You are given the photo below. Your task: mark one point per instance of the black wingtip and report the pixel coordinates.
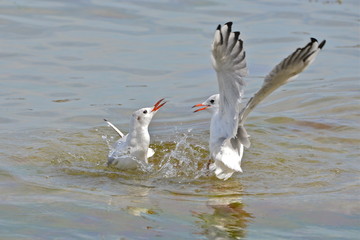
(105, 120)
(313, 40)
(237, 34)
(218, 27)
(221, 36)
(322, 44)
(241, 43)
(229, 24)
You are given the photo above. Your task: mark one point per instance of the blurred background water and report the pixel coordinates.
(66, 65)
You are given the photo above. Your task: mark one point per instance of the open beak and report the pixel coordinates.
(158, 105)
(200, 105)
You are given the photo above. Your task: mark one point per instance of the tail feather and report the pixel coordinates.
(228, 159)
(222, 171)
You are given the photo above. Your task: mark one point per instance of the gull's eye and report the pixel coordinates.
(212, 101)
(145, 111)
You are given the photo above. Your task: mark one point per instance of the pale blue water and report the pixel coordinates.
(66, 65)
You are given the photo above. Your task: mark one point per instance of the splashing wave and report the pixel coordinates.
(179, 157)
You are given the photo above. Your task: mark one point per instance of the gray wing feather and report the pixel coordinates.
(242, 136)
(285, 71)
(228, 57)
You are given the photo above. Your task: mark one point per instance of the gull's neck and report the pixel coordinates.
(139, 136)
(138, 130)
(214, 111)
(216, 126)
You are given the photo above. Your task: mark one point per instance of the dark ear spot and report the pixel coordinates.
(138, 118)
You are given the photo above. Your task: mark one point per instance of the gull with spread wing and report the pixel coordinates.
(227, 133)
(133, 148)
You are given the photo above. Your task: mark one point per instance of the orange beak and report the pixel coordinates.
(158, 105)
(200, 105)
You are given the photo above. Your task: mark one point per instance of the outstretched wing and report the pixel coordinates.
(287, 70)
(228, 58)
(115, 128)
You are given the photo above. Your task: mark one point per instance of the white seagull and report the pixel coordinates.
(227, 133)
(133, 148)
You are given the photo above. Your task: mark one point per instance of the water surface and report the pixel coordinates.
(66, 65)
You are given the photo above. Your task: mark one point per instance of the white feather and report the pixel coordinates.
(227, 133)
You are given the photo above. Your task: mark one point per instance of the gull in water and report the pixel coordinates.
(133, 148)
(227, 133)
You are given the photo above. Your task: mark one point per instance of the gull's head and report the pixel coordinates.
(143, 116)
(211, 104)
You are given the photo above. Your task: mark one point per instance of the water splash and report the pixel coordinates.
(185, 159)
(181, 157)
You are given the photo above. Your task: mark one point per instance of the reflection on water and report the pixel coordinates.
(67, 65)
(225, 216)
(228, 220)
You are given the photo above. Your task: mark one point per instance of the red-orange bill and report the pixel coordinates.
(158, 105)
(200, 105)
